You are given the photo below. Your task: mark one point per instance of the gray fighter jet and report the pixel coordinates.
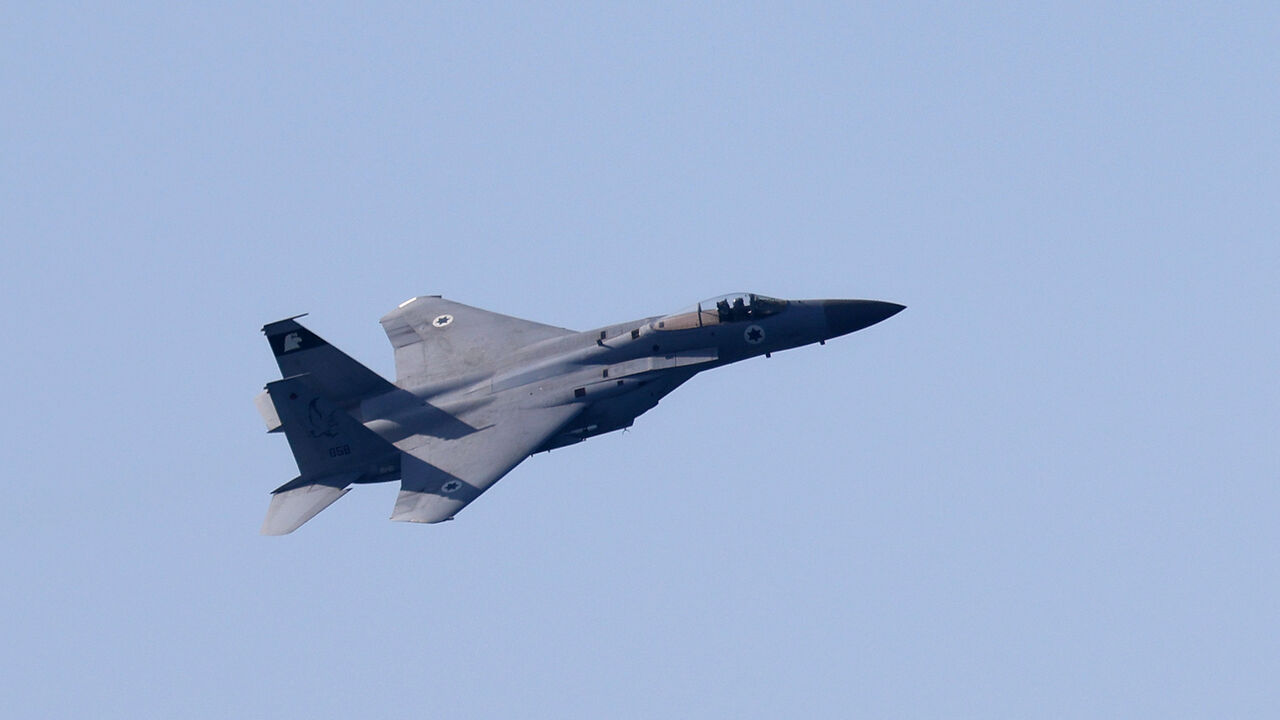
(477, 392)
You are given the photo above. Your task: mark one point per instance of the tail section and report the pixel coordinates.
(331, 447)
(289, 509)
(299, 351)
(326, 440)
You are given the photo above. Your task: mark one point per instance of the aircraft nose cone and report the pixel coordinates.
(846, 316)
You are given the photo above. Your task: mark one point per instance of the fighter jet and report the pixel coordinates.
(477, 392)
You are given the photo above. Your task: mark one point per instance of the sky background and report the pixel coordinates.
(1049, 488)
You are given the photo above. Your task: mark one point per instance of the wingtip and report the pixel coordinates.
(267, 329)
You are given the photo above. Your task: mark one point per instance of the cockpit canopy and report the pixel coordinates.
(735, 307)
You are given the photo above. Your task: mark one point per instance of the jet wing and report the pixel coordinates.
(439, 477)
(436, 340)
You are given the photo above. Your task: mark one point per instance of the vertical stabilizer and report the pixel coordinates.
(335, 374)
(325, 439)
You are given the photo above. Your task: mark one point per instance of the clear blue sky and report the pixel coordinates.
(1047, 489)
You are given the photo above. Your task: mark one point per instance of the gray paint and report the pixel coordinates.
(477, 392)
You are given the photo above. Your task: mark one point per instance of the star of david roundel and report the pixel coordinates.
(754, 334)
(442, 320)
(451, 486)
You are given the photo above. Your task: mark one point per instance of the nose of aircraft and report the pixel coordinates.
(846, 316)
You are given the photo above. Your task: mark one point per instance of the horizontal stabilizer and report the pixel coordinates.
(291, 508)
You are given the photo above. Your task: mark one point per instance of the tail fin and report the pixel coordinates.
(332, 448)
(299, 351)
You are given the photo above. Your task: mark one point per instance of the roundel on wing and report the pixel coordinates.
(754, 334)
(451, 486)
(442, 320)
